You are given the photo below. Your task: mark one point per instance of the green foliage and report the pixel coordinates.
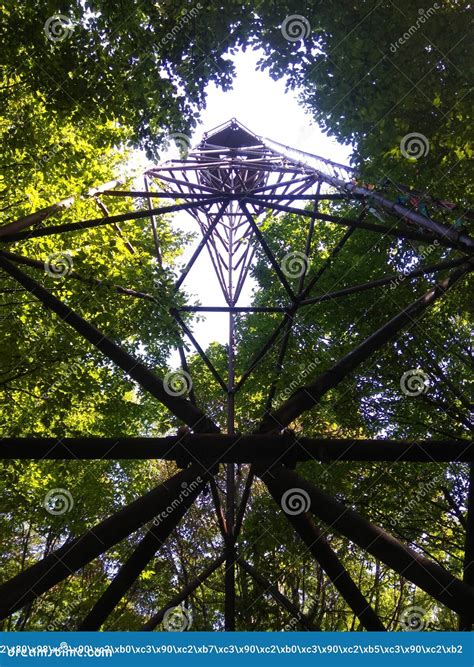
(368, 84)
(142, 65)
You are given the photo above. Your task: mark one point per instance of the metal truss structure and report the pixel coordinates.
(227, 184)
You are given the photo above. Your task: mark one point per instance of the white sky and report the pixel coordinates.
(263, 106)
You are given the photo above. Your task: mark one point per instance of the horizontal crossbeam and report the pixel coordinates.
(233, 309)
(237, 448)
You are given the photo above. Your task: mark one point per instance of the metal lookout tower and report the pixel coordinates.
(228, 183)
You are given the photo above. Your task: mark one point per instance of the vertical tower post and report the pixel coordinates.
(230, 467)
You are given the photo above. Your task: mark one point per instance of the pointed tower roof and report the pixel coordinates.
(231, 134)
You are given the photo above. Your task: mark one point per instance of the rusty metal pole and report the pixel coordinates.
(156, 239)
(229, 607)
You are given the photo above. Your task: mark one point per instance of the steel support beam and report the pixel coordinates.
(356, 224)
(265, 347)
(427, 575)
(335, 251)
(35, 218)
(231, 309)
(221, 448)
(380, 282)
(243, 502)
(220, 516)
(158, 533)
(229, 589)
(113, 219)
(198, 348)
(335, 570)
(39, 578)
(308, 396)
(36, 264)
(229, 581)
(206, 236)
(268, 252)
(179, 406)
(156, 239)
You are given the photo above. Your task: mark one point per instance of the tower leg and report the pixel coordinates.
(229, 607)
